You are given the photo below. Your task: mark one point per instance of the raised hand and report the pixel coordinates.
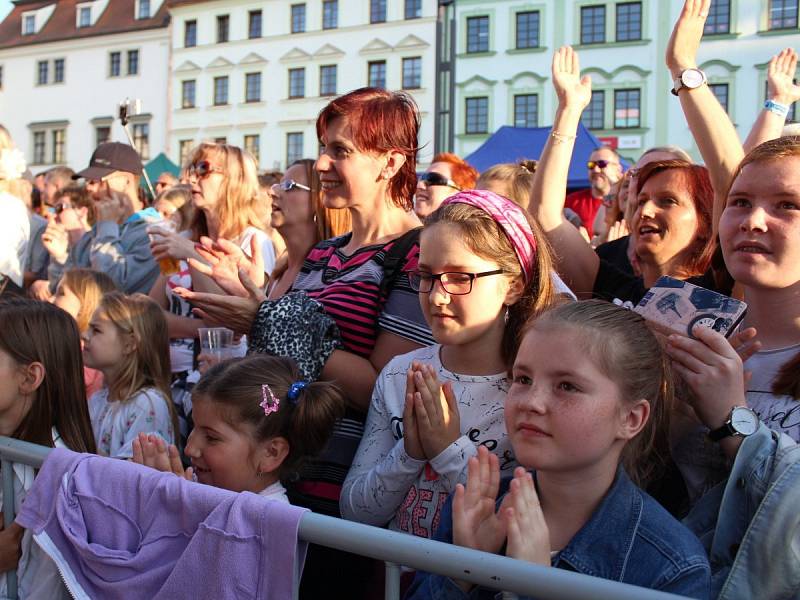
(435, 411)
(411, 439)
(780, 77)
(686, 35)
(475, 523)
(224, 259)
(56, 240)
(151, 451)
(528, 535)
(573, 91)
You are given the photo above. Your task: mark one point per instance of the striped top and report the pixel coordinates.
(349, 289)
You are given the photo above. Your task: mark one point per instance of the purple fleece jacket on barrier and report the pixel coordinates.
(119, 530)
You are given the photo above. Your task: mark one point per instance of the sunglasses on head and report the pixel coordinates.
(202, 168)
(602, 164)
(289, 184)
(433, 178)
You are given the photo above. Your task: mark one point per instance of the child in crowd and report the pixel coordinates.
(483, 272)
(79, 293)
(592, 390)
(42, 401)
(254, 423)
(127, 341)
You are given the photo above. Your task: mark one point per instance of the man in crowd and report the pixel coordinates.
(605, 170)
(55, 180)
(164, 181)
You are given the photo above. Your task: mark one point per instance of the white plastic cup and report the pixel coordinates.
(217, 341)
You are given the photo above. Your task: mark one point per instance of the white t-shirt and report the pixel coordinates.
(385, 485)
(275, 491)
(117, 424)
(778, 412)
(15, 228)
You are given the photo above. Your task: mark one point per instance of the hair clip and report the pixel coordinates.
(269, 402)
(294, 390)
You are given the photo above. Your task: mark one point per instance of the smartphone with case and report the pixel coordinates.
(676, 306)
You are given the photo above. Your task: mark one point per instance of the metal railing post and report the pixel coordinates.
(9, 501)
(392, 586)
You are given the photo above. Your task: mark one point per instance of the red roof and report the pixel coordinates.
(118, 17)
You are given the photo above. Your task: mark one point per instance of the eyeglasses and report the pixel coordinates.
(602, 164)
(454, 283)
(289, 185)
(433, 178)
(201, 169)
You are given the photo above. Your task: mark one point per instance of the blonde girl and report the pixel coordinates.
(15, 225)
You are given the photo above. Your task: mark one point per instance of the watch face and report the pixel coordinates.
(744, 421)
(692, 78)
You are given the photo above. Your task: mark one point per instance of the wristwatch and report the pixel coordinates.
(690, 79)
(742, 422)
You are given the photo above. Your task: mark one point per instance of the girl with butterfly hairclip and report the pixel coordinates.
(255, 421)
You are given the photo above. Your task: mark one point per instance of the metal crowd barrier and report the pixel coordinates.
(395, 549)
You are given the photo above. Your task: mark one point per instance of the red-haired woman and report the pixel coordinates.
(447, 175)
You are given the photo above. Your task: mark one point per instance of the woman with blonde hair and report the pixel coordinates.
(511, 180)
(15, 225)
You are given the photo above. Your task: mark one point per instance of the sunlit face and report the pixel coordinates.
(602, 178)
(104, 345)
(66, 300)
(207, 190)
(665, 221)
(460, 319)
(293, 207)
(562, 412)
(163, 182)
(13, 405)
(222, 455)
(759, 230)
(51, 191)
(429, 197)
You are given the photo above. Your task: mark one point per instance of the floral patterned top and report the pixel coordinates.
(117, 424)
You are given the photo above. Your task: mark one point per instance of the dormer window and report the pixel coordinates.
(143, 11)
(29, 24)
(84, 16)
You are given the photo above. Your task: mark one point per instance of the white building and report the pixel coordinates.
(504, 50)
(257, 73)
(66, 64)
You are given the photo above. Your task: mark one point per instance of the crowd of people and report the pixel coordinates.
(448, 354)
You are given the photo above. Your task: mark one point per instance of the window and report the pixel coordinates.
(594, 116)
(59, 137)
(42, 69)
(58, 70)
(133, 62)
(85, 16)
(220, 90)
(377, 11)
(141, 139)
(29, 24)
(190, 34)
(144, 9)
(252, 143)
(626, 108)
(221, 140)
(223, 26)
(327, 80)
(629, 21)
(294, 147)
(184, 148)
(330, 14)
(252, 87)
(720, 90)
(297, 83)
(413, 9)
(38, 147)
(477, 115)
(298, 18)
(102, 134)
(593, 24)
(412, 73)
(528, 29)
(477, 34)
(188, 93)
(254, 28)
(719, 17)
(376, 73)
(526, 110)
(782, 14)
(114, 64)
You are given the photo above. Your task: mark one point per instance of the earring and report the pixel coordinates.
(505, 314)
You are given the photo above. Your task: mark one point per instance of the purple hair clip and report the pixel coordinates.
(269, 402)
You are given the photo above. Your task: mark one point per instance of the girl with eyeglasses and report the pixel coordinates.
(484, 270)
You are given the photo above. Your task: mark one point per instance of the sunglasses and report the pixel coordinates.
(433, 178)
(289, 185)
(602, 164)
(201, 169)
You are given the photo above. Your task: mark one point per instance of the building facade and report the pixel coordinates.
(256, 74)
(64, 67)
(504, 50)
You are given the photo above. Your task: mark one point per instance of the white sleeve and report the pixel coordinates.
(147, 412)
(451, 463)
(382, 472)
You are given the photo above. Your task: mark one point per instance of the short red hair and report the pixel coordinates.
(464, 174)
(381, 121)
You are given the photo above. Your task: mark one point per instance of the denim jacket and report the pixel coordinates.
(750, 524)
(630, 538)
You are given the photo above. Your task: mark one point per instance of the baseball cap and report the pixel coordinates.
(109, 157)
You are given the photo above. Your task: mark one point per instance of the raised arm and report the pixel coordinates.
(575, 260)
(782, 93)
(712, 129)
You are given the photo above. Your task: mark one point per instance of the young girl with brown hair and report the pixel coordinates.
(127, 341)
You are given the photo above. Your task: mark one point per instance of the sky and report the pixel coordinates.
(5, 8)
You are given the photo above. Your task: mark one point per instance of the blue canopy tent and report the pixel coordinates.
(509, 144)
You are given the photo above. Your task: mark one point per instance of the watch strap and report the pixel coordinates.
(720, 433)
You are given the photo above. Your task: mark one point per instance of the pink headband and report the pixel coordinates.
(510, 218)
